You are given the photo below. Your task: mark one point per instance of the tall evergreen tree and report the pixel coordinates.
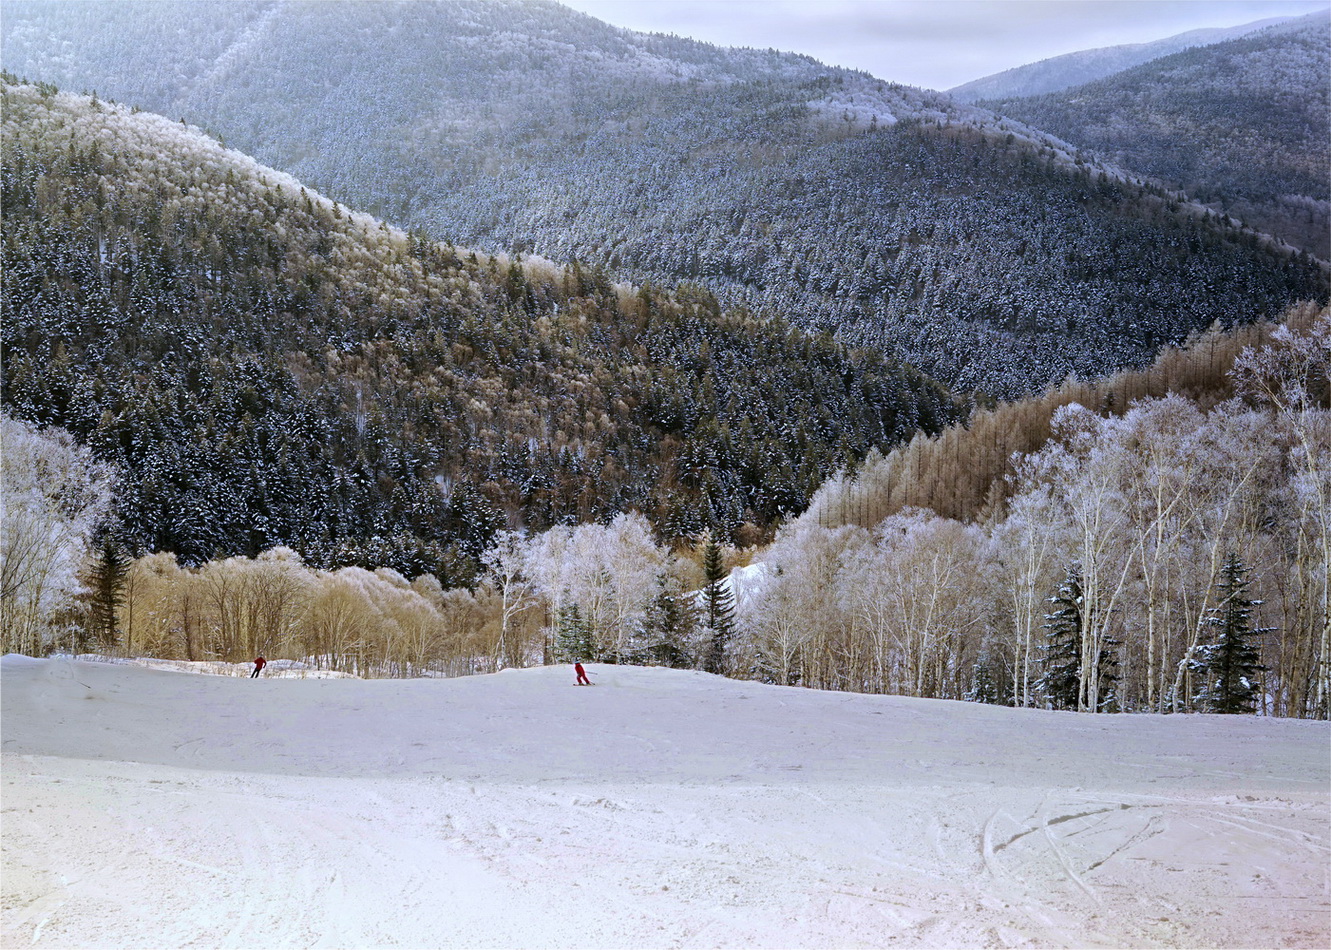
(573, 635)
(718, 606)
(984, 688)
(666, 626)
(1108, 670)
(106, 583)
(1061, 660)
(1228, 667)
(1066, 625)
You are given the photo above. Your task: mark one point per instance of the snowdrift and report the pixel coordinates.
(658, 808)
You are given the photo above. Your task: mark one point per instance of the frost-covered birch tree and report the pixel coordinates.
(505, 563)
(934, 567)
(53, 495)
(1235, 460)
(611, 572)
(1023, 550)
(1159, 489)
(1292, 377)
(798, 624)
(1086, 477)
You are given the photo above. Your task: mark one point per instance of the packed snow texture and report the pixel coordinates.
(658, 808)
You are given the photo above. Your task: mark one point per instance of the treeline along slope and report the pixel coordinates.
(1075, 69)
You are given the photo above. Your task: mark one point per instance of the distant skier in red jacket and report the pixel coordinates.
(259, 663)
(582, 675)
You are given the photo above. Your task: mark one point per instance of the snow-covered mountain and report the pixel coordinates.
(237, 344)
(1075, 69)
(1243, 125)
(657, 808)
(991, 256)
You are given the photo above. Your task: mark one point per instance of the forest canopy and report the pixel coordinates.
(264, 367)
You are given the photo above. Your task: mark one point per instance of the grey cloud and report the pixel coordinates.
(935, 43)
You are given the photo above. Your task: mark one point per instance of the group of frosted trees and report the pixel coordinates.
(369, 623)
(1113, 579)
(594, 592)
(52, 497)
(612, 593)
(604, 592)
(1174, 557)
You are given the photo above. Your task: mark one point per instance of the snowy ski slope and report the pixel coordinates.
(660, 808)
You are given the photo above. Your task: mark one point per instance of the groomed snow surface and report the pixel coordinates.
(657, 808)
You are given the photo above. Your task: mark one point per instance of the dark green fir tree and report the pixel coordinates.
(106, 591)
(1064, 626)
(666, 627)
(1108, 672)
(1227, 670)
(718, 608)
(573, 635)
(984, 685)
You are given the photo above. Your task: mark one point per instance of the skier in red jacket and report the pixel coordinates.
(259, 663)
(582, 675)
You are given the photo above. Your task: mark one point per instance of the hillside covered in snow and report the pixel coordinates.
(991, 256)
(658, 808)
(1242, 125)
(1074, 69)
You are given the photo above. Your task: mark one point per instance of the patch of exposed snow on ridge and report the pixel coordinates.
(244, 41)
(858, 115)
(745, 584)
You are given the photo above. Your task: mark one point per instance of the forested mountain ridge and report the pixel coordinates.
(991, 256)
(1241, 125)
(968, 471)
(1075, 69)
(266, 367)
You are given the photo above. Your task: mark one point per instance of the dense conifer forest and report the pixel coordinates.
(1242, 125)
(266, 367)
(991, 256)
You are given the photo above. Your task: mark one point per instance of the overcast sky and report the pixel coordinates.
(937, 44)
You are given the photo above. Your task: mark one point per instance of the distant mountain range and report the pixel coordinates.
(992, 256)
(1243, 125)
(1075, 69)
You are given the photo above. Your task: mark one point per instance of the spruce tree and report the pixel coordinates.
(666, 626)
(718, 606)
(1108, 670)
(106, 582)
(1228, 667)
(984, 688)
(1061, 661)
(1066, 625)
(573, 635)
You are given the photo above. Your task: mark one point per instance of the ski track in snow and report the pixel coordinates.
(151, 809)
